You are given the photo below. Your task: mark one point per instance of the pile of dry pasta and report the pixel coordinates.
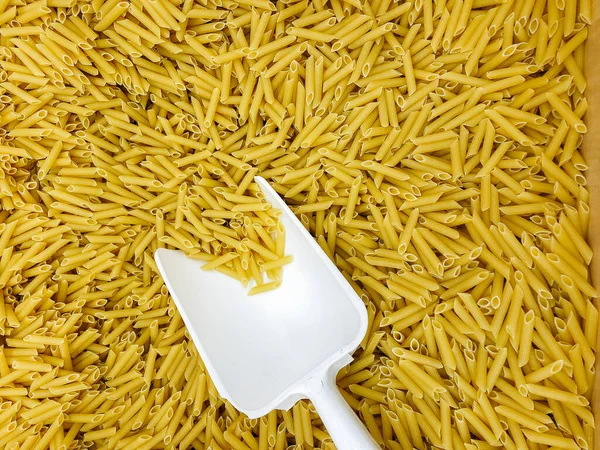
(431, 147)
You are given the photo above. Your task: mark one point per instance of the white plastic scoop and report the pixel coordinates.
(267, 351)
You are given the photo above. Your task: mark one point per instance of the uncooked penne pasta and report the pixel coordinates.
(432, 148)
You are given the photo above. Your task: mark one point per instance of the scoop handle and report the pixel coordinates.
(343, 425)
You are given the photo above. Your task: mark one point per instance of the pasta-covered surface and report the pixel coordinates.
(432, 147)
